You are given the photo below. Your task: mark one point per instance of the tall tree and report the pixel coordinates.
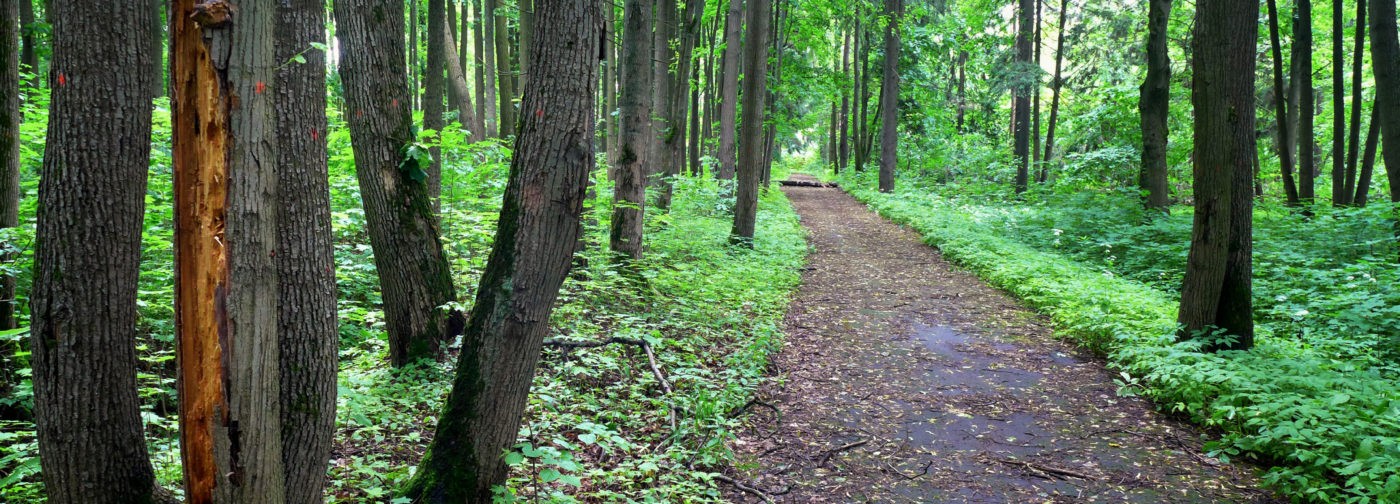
(28, 57)
(156, 9)
(484, 51)
(629, 207)
(458, 91)
(1216, 292)
(1153, 107)
(729, 91)
(226, 282)
(751, 155)
(1339, 107)
(608, 118)
(663, 59)
(1368, 160)
(1282, 115)
(1354, 132)
(1307, 105)
(413, 272)
(83, 303)
(9, 160)
(844, 154)
(1385, 59)
(433, 92)
(534, 245)
(1021, 109)
(889, 99)
(677, 108)
(1056, 85)
(505, 74)
(307, 328)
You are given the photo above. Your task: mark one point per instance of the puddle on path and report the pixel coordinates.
(962, 369)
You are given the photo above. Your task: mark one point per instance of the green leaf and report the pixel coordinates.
(549, 475)
(514, 459)
(1339, 399)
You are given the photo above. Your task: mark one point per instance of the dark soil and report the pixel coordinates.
(904, 379)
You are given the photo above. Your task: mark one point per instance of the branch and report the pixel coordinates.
(745, 488)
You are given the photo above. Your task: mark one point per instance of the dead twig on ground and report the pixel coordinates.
(1045, 471)
(826, 455)
(907, 477)
(746, 488)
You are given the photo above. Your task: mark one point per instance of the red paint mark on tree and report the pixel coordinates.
(62, 79)
(395, 104)
(315, 134)
(259, 87)
(539, 112)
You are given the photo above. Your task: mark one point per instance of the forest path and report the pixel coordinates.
(904, 379)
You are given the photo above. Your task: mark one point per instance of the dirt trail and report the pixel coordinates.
(906, 380)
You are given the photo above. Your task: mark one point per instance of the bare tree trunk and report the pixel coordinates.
(433, 92)
(83, 304)
(155, 10)
(28, 57)
(751, 150)
(413, 272)
(661, 126)
(307, 327)
(711, 93)
(1281, 112)
(1035, 97)
(1154, 107)
(504, 72)
(10, 119)
(1368, 162)
(889, 98)
(1055, 88)
(460, 94)
(1021, 109)
(844, 156)
(527, 35)
(1385, 60)
(694, 147)
(629, 208)
(484, 40)
(609, 121)
(1339, 107)
(679, 98)
(1216, 292)
(729, 101)
(413, 21)
(1354, 133)
(1307, 107)
(535, 239)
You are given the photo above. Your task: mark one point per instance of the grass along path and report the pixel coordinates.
(906, 380)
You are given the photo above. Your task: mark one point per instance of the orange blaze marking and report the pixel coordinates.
(62, 79)
(260, 87)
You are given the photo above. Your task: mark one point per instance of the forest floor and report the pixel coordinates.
(904, 379)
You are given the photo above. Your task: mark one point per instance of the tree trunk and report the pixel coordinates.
(630, 193)
(679, 98)
(1021, 110)
(694, 146)
(1385, 60)
(609, 121)
(843, 157)
(155, 10)
(1035, 97)
(1357, 99)
(711, 95)
(226, 234)
(83, 304)
(526, 35)
(10, 119)
(770, 136)
(28, 57)
(309, 337)
(413, 272)
(432, 94)
(413, 21)
(1307, 106)
(535, 239)
(889, 99)
(1154, 107)
(504, 72)
(750, 166)
(662, 59)
(1216, 292)
(1055, 88)
(1339, 107)
(1281, 113)
(729, 101)
(1368, 162)
(484, 40)
(962, 92)
(460, 94)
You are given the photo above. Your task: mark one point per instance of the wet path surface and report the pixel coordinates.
(906, 380)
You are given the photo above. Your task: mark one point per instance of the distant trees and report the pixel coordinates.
(535, 239)
(1021, 107)
(889, 99)
(1153, 107)
(1385, 57)
(83, 303)
(751, 155)
(635, 147)
(729, 92)
(1217, 290)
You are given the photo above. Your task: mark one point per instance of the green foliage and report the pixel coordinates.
(1317, 399)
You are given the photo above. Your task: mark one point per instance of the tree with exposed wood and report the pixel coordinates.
(1385, 60)
(83, 303)
(751, 153)
(889, 100)
(223, 69)
(1153, 107)
(1216, 293)
(534, 246)
(403, 230)
(729, 92)
(635, 147)
(1021, 110)
(307, 325)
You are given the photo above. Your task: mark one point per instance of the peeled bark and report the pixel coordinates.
(1153, 108)
(308, 331)
(535, 239)
(889, 102)
(1216, 292)
(403, 231)
(1281, 113)
(83, 304)
(729, 91)
(226, 281)
(629, 207)
(1385, 59)
(751, 156)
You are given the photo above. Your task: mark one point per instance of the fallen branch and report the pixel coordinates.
(905, 476)
(745, 488)
(1044, 470)
(777, 424)
(804, 183)
(646, 347)
(826, 455)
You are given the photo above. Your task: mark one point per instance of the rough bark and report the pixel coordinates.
(609, 118)
(1216, 292)
(459, 92)
(414, 19)
(1281, 113)
(1307, 105)
(28, 57)
(679, 99)
(1153, 107)
(1339, 107)
(1357, 99)
(1035, 97)
(629, 207)
(505, 91)
(10, 118)
(526, 35)
(156, 10)
(751, 156)
(843, 155)
(535, 239)
(433, 92)
(889, 101)
(1021, 109)
(83, 304)
(1055, 87)
(729, 91)
(1385, 60)
(1368, 161)
(308, 334)
(484, 40)
(403, 231)
(663, 57)
(226, 281)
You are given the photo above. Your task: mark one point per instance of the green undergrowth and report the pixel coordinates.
(1317, 401)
